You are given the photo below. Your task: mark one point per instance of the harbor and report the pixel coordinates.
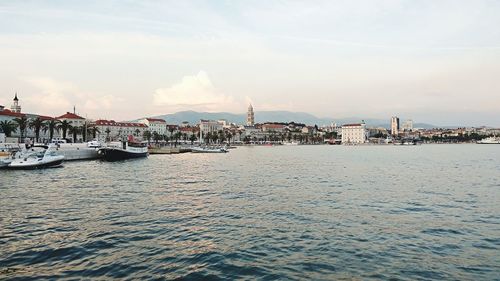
(250, 140)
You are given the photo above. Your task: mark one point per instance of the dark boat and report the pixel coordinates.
(128, 150)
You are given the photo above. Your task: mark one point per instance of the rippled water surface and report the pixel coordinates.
(316, 212)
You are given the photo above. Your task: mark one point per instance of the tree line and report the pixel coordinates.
(52, 126)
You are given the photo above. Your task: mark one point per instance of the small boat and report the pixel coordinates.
(5, 161)
(93, 144)
(7, 154)
(490, 140)
(209, 150)
(127, 150)
(33, 159)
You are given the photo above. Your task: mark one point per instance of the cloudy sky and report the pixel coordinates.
(432, 61)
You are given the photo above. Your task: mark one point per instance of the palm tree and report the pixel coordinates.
(64, 126)
(51, 125)
(107, 133)
(208, 137)
(22, 124)
(85, 129)
(222, 136)
(8, 127)
(147, 135)
(192, 138)
(177, 136)
(75, 130)
(36, 124)
(215, 136)
(171, 129)
(193, 132)
(156, 137)
(93, 130)
(229, 136)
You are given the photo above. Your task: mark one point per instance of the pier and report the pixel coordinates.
(74, 152)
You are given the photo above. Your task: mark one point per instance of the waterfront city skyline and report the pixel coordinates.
(432, 62)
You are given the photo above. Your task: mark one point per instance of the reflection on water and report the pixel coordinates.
(317, 212)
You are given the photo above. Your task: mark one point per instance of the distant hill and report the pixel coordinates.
(193, 117)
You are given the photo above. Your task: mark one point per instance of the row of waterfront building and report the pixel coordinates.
(16, 125)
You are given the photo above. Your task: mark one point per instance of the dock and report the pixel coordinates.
(168, 150)
(74, 152)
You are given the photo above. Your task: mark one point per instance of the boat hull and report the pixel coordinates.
(111, 154)
(204, 150)
(29, 166)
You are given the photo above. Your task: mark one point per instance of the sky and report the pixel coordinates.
(431, 61)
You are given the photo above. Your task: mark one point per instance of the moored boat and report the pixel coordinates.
(127, 150)
(35, 159)
(209, 150)
(8, 153)
(490, 140)
(94, 144)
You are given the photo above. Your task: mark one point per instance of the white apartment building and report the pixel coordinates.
(110, 130)
(407, 126)
(394, 126)
(354, 133)
(155, 125)
(209, 126)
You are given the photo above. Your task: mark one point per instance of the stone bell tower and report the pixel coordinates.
(15, 106)
(250, 116)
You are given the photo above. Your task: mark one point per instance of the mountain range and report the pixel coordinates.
(193, 117)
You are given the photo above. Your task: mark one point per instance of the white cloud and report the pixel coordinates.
(194, 92)
(105, 102)
(50, 96)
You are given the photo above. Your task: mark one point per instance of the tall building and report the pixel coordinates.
(250, 116)
(16, 108)
(354, 133)
(394, 126)
(407, 125)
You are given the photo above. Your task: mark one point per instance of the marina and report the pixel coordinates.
(250, 140)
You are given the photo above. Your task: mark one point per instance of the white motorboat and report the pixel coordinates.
(209, 150)
(37, 159)
(490, 140)
(5, 161)
(93, 144)
(8, 153)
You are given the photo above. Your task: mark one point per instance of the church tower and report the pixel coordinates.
(15, 106)
(250, 116)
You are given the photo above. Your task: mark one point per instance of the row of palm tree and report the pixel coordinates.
(174, 137)
(43, 125)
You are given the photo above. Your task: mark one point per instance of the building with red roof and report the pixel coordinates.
(69, 115)
(8, 114)
(268, 127)
(155, 125)
(110, 130)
